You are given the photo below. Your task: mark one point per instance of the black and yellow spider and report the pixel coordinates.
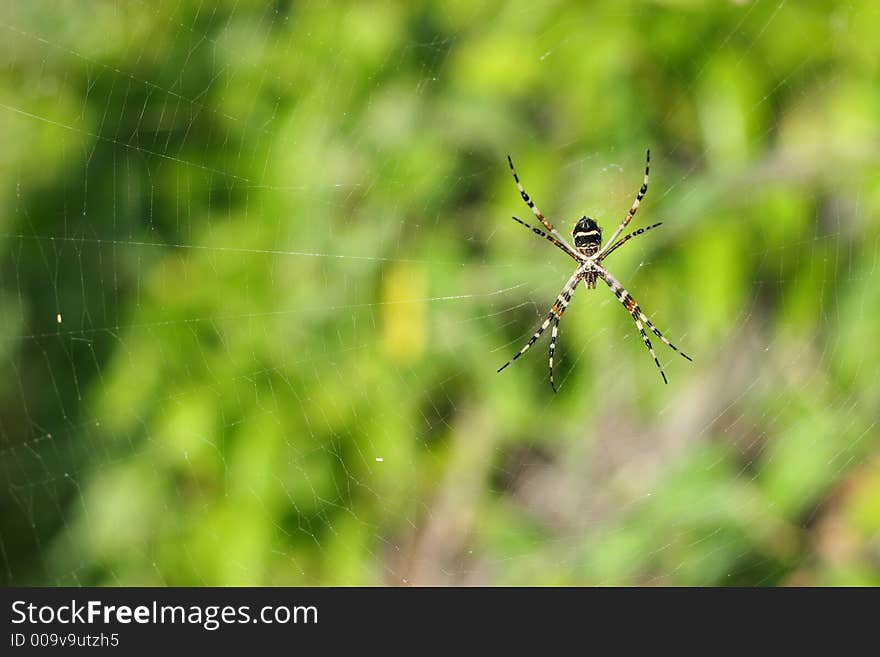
(589, 253)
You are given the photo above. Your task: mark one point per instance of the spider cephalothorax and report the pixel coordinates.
(589, 253)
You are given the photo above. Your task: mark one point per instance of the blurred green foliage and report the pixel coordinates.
(279, 244)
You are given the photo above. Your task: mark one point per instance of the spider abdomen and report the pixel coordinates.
(587, 237)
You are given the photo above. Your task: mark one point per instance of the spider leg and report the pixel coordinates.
(554, 334)
(539, 215)
(662, 337)
(632, 211)
(628, 237)
(538, 231)
(638, 316)
(556, 311)
(650, 347)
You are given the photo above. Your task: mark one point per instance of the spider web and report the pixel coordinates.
(258, 273)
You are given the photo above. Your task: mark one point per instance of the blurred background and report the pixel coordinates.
(258, 270)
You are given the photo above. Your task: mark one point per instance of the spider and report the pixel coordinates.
(588, 252)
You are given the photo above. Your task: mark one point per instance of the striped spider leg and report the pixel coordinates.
(632, 211)
(555, 333)
(589, 253)
(556, 312)
(639, 317)
(562, 245)
(628, 237)
(560, 241)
